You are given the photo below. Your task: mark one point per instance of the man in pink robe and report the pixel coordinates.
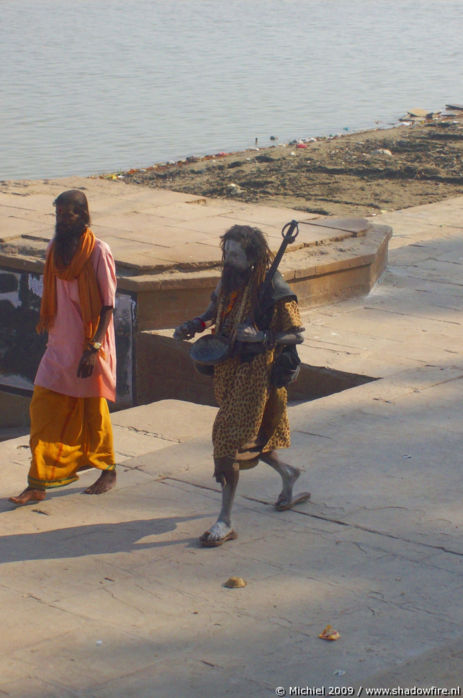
(70, 424)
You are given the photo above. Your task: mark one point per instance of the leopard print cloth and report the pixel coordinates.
(252, 414)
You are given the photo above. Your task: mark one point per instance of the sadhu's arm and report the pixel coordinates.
(188, 329)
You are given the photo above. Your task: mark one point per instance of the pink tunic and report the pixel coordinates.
(58, 367)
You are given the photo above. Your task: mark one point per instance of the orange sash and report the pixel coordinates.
(229, 308)
(81, 269)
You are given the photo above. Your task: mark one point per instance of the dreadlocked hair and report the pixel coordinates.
(257, 251)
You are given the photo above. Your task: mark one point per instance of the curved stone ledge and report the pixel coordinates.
(168, 259)
(318, 274)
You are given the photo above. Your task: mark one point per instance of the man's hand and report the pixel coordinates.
(86, 364)
(188, 329)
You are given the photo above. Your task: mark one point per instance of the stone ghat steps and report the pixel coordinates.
(137, 431)
(376, 552)
(166, 441)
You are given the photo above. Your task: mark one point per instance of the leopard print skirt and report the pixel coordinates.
(252, 414)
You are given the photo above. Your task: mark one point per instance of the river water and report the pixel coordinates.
(93, 86)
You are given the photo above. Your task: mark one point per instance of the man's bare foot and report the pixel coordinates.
(105, 482)
(28, 495)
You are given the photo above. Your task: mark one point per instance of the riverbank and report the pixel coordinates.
(365, 173)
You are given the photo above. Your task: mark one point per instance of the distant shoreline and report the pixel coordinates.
(412, 118)
(189, 159)
(361, 173)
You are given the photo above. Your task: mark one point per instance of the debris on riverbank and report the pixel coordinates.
(362, 173)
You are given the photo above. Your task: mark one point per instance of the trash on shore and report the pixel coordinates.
(414, 115)
(382, 151)
(421, 113)
(234, 188)
(329, 633)
(362, 172)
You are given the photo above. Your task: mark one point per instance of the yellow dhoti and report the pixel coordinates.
(68, 434)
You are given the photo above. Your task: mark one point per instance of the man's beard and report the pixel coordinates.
(66, 241)
(233, 279)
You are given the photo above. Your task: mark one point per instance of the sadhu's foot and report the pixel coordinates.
(218, 534)
(284, 503)
(105, 482)
(289, 475)
(28, 495)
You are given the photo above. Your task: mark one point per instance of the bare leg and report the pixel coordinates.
(105, 482)
(227, 473)
(289, 474)
(30, 494)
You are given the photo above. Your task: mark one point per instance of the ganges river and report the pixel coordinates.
(92, 86)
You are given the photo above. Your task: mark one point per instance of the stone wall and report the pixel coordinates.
(165, 371)
(21, 347)
(151, 366)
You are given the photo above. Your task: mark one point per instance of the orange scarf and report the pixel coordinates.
(81, 269)
(229, 308)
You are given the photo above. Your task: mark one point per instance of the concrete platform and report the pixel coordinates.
(166, 247)
(111, 596)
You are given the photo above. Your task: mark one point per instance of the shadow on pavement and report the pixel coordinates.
(93, 539)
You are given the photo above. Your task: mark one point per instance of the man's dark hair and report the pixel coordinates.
(67, 235)
(257, 250)
(77, 199)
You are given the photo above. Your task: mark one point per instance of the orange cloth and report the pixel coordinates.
(229, 308)
(68, 434)
(81, 269)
